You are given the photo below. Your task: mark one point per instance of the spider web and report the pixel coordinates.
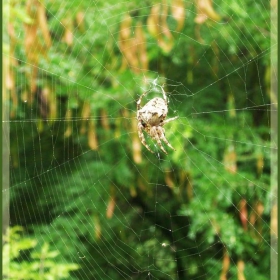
(79, 178)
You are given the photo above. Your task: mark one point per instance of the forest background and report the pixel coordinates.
(86, 199)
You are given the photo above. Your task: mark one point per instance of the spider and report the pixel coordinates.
(151, 118)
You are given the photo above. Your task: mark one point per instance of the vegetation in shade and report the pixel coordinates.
(80, 178)
(22, 259)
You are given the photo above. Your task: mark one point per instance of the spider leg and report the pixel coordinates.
(156, 136)
(162, 137)
(169, 120)
(164, 95)
(142, 137)
(140, 99)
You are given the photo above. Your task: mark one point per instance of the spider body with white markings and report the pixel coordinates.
(151, 118)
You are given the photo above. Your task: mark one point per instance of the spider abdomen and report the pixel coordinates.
(154, 112)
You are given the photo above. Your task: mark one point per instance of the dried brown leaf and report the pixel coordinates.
(216, 61)
(163, 21)
(12, 37)
(68, 37)
(136, 148)
(189, 190)
(10, 81)
(243, 213)
(92, 136)
(80, 19)
(111, 206)
(68, 33)
(52, 104)
(178, 12)
(104, 119)
(33, 83)
(141, 47)
(205, 10)
(259, 208)
(42, 19)
(197, 34)
(216, 226)
(43, 102)
(153, 23)
(260, 164)
(32, 44)
(132, 191)
(128, 45)
(97, 227)
(133, 48)
(33, 47)
(125, 28)
(141, 185)
(225, 265)
(253, 218)
(118, 124)
(240, 270)
(85, 116)
(40, 126)
(166, 42)
(231, 106)
(136, 144)
(169, 180)
(230, 160)
(68, 117)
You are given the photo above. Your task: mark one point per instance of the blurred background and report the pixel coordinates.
(83, 198)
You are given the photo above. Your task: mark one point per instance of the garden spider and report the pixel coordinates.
(151, 118)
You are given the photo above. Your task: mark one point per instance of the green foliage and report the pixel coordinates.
(22, 259)
(173, 215)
